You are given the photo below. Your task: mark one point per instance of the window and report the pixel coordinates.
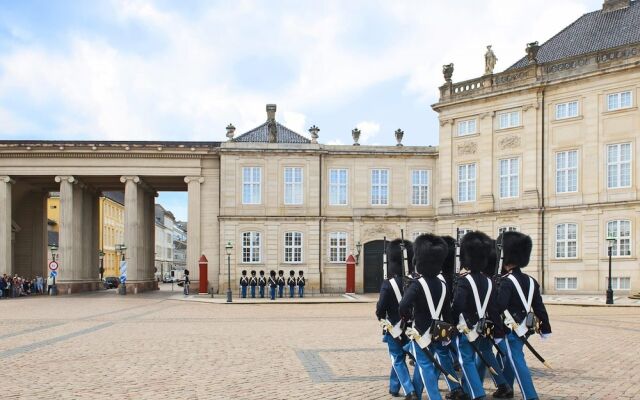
(169, 238)
(509, 178)
(621, 231)
(293, 185)
(619, 283)
(617, 101)
(338, 183)
(251, 181)
(566, 283)
(507, 229)
(337, 247)
(379, 187)
(251, 247)
(461, 232)
(293, 247)
(416, 234)
(420, 187)
(567, 110)
(169, 255)
(467, 127)
(566, 241)
(619, 165)
(567, 171)
(466, 182)
(509, 119)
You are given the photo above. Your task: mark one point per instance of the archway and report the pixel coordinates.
(373, 266)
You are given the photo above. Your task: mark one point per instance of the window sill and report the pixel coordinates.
(567, 260)
(509, 129)
(620, 110)
(568, 119)
(469, 135)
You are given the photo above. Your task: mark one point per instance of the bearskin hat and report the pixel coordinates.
(253, 272)
(280, 272)
(516, 249)
(244, 272)
(449, 265)
(292, 272)
(261, 272)
(394, 257)
(429, 252)
(474, 251)
(272, 273)
(301, 272)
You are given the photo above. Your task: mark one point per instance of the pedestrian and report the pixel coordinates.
(187, 281)
(301, 282)
(520, 301)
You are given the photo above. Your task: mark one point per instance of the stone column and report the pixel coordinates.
(5, 225)
(70, 239)
(194, 226)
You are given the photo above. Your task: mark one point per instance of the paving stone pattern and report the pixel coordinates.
(104, 346)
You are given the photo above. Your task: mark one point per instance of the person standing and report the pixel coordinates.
(244, 282)
(253, 282)
(281, 282)
(187, 281)
(391, 292)
(520, 301)
(301, 282)
(291, 282)
(273, 284)
(262, 282)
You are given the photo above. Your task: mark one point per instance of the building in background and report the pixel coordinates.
(180, 245)
(111, 216)
(165, 225)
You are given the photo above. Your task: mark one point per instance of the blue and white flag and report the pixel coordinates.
(123, 271)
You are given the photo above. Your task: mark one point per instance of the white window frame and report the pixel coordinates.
(466, 182)
(293, 247)
(512, 180)
(251, 252)
(293, 178)
(619, 166)
(619, 100)
(509, 119)
(461, 232)
(467, 127)
(567, 173)
(566, 236)
(420, 191)
(615, 282)
(613, 229)
(379, 190)
(338, 191)
(566, 283)
(338, 251)
(249, 186)
(507, 228)
(416, 234)
(570, 109)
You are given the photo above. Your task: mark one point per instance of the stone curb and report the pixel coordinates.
(320, 300)
(566, 303)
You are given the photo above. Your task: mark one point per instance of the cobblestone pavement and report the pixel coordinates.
(104, 346)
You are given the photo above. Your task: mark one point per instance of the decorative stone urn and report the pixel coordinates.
(399, 136)
(355, 134)
(314, 133)
(230, 131)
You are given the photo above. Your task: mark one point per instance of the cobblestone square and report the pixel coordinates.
(104, 346)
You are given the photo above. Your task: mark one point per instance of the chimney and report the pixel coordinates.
(613, 5)
(271, 112)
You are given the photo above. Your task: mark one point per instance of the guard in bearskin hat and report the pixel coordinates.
(262, 282)
(428, 299)
(291, 282)
(520, 301)
(273, 284)
(387, 312)
(253, 282)
(244, 282)
(301, 281)
(473, 305)
(281, 282)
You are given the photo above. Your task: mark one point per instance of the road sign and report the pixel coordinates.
(53, 265)
(53, 273)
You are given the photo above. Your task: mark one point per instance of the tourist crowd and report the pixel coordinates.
(17, 286)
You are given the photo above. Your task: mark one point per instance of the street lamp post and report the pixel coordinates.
(54, 289)
(228, 248)
(611, 241)
(121, 248)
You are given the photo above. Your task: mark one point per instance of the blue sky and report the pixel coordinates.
(183, 70)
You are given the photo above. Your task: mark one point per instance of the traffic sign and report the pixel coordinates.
(53, 265)
(53, 273)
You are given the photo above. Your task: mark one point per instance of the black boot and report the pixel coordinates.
(457, 394)
(396, 394)
(411, 396)
(503, 392)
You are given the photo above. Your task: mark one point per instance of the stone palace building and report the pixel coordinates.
(547, 147)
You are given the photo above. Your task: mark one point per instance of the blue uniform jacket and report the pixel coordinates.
(508, 299)
(387, 306)
(464, 303)
(414, 303)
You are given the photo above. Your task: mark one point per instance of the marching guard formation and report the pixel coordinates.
(460, 309)
(275, 283)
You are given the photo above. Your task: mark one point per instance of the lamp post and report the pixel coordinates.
(54, 289)
(121, 248)
(358, 248)
(228, 248)
(612, 242)
(101, 269)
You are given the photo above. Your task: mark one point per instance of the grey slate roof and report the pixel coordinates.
(592, 32)
(261, 135)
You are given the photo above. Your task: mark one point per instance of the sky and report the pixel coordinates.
(183, 70)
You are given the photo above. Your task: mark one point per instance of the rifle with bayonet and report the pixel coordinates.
(423, 342)
(384, 259)
(519, 332)
(405, 257)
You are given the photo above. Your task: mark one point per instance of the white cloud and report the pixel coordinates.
(368, 129)
(295, 121)
(335, 142)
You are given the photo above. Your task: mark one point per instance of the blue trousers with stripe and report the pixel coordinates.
(244, 291)
(512, 347)
(485, 346)
(292, 290)
(467, 359)
(399, 377)
(300, 291)
(443, 355)
(272, 292)
(253, 292)
(425, 375)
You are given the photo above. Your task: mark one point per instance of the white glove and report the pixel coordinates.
(545, 336)
(498, 340)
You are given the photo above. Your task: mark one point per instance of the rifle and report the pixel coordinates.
(456, 272)
(405, 257)
(384, 259)
(498, 256)
(416, 337)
